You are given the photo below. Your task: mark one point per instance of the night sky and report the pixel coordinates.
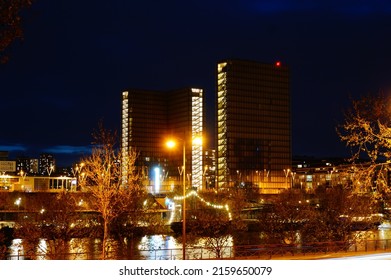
(78, 56)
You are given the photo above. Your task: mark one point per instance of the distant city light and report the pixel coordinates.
(157, 179)
(278, 63)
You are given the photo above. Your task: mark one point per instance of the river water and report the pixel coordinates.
(153, 247)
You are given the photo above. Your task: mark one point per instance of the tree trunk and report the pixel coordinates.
(105, 238)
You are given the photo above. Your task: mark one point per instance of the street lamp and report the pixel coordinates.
(50, 169)
(17, 202)
(293, 174)
(287, 172)
(171, 144)
(23, 175)
(76, 173)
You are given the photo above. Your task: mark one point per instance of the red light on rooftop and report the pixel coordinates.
(278, 63)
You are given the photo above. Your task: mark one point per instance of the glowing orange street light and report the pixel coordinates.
(171, 144)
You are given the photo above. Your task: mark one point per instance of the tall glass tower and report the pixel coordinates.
(253, 125)
(150, 117)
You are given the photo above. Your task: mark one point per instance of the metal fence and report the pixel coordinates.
(267, 251)
(232, 252)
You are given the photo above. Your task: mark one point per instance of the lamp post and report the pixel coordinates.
(50, 169)
(77, 173)
(286, 172)
(171, 144)
(23, 176)
(293, 174)
(184, 204)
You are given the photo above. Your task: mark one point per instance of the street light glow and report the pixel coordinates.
(170, 144)
(197, 141)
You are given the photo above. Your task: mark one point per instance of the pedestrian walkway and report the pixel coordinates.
(326, 255)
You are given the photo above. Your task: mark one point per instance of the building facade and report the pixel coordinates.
(149, 119)
(253, 128)
(47, 164)
(209, 168)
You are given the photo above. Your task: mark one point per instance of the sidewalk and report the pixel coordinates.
(326, 255)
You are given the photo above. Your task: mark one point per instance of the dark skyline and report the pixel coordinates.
(77, 58)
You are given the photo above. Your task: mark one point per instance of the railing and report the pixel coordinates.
(233, 252)
(268, 251)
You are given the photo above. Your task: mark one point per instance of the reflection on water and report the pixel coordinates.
(164, 247)
(154, 242)
(373, 240)
(161, 247)
(379, 234)
(75, 249)
(16, 249)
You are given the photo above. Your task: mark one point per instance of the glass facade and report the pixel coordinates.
(253, 124)
(149, 118)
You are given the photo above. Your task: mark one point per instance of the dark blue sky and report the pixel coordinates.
(78, 56)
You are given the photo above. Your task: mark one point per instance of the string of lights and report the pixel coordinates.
(216, 206)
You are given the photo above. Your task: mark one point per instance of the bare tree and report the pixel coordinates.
(367, 131)
(51, 226)
(328, 215)
(216, 220)
(10, 23)
(281, 223)
(112, 182)
(212, 226)
(340, 213)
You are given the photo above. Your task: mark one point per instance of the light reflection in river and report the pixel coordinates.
(168, 247)
(385, 231)
(16, 250)
(165, 247)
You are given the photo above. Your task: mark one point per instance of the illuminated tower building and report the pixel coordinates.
(150, 117)
(253, 125)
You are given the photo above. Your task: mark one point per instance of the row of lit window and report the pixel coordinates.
(259, 116)
(273, 130)
(259, 69)
(256, 77)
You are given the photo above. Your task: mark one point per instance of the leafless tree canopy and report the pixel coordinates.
(112, 181)
(366, 131)
(10, 23)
